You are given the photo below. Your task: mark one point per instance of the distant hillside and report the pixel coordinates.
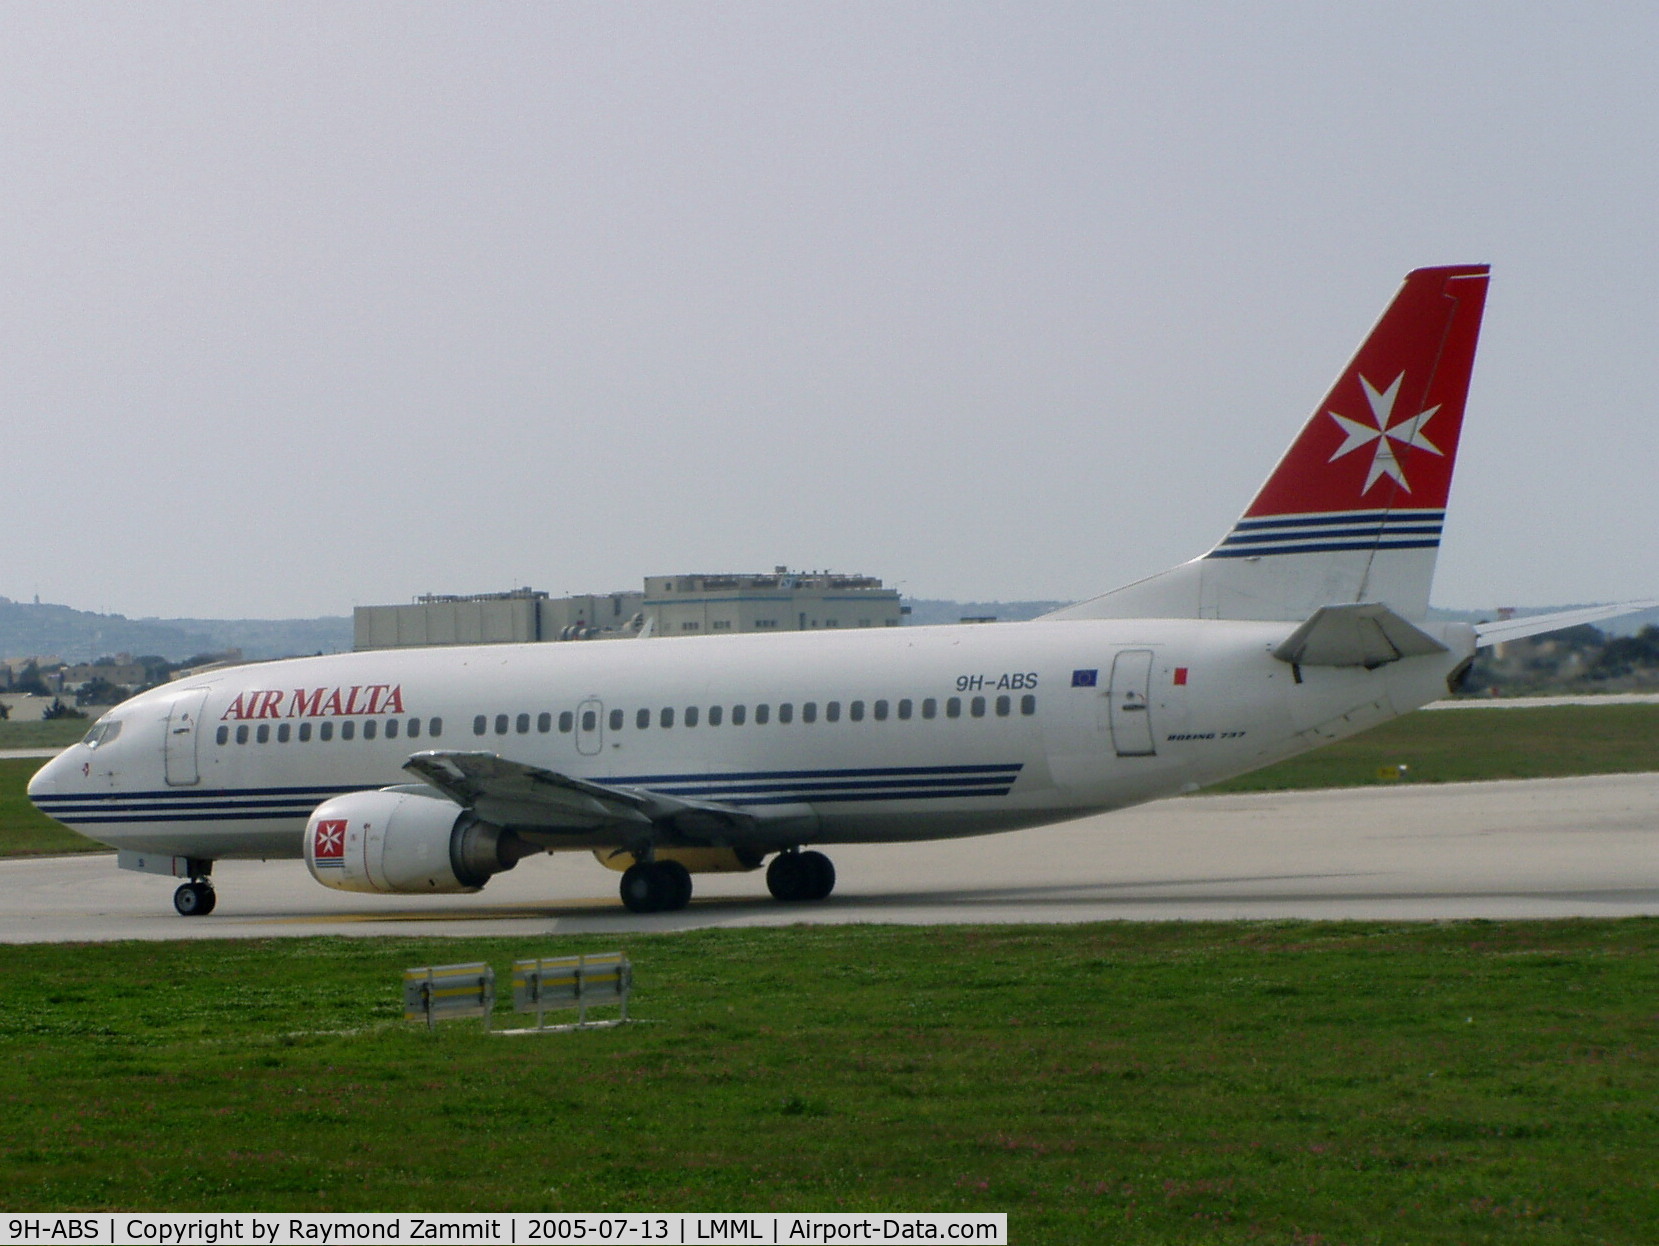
(29, 630)
(275, 638)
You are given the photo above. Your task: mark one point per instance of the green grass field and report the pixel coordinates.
(1452, 746)
(24, 830)
(1270, 1082)
(58, 733)
(1296, 1082)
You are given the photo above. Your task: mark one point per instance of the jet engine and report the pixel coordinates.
(403, 840)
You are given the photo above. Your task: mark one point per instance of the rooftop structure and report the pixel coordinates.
(788, 601)
(671, 605)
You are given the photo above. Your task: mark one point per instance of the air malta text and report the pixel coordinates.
(362, 699)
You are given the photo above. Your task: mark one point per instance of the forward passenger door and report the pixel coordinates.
(183, 730)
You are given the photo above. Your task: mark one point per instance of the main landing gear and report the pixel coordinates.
(800, 876)
(195, 898)
(652, 886)
(656, 886)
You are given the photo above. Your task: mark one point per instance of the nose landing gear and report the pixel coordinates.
(195, 898)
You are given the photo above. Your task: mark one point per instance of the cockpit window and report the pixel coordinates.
(103, 731)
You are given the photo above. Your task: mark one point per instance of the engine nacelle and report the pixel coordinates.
(405, 841)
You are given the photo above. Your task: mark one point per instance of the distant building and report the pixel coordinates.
(671, 605)
(123, 672)
(516, 616)
(785, 601)
(14, 667)
(209, 662)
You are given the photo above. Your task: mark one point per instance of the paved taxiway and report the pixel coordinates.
(1544, 848)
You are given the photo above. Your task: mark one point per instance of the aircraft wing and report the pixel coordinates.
(530, 799)
(1360, 634)
(1537, 624)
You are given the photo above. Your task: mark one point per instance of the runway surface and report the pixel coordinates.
(1543, 848)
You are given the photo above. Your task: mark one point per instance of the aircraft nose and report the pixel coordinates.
(48, 780)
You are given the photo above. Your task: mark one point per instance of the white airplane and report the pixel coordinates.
(1305, 624)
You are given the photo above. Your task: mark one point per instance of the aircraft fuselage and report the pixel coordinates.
(891, 734)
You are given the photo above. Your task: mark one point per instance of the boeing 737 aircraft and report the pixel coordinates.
(429, 770)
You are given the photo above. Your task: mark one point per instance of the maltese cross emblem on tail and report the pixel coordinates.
(1384, 461)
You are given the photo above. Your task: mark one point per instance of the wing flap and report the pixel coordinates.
(1364, 634)
(531, 799)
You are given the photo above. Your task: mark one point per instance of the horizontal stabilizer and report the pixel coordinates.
(1537, 624)
(1364, 634)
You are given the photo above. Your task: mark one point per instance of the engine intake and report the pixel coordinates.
(404, 841)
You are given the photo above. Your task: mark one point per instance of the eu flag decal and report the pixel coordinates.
(1085, 679)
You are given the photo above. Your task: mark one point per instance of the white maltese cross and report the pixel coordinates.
(1406, 432)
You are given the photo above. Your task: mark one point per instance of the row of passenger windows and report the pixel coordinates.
(664, 718)
(738, 715)
(372, 727)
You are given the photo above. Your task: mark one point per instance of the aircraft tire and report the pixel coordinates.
(795, 876)
(675, 882)
(784, 877)
(656, 887)
(820, 875)
(195, 899)
(639, 894)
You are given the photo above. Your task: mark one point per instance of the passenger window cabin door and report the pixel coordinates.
(590, 727)
(183, 732)
(1129, 699)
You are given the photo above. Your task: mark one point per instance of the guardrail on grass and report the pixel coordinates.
(549, 984)
(541, 985)
(444, 992)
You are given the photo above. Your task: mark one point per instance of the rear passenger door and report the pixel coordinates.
(1129, 698)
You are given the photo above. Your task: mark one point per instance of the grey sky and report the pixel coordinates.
(307, 306)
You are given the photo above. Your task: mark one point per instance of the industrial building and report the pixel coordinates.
(670, 605)
(785, 601)
(515, 616)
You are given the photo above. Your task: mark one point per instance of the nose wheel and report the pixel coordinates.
(195, 899)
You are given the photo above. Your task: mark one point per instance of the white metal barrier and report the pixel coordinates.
(442, 992)
(560, 983)
(542, 985)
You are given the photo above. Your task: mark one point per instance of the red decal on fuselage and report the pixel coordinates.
(357, 700)
(329, 843)
(306, 704)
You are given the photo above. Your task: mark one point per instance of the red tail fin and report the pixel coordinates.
(1385, 437)
(1353, 511)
